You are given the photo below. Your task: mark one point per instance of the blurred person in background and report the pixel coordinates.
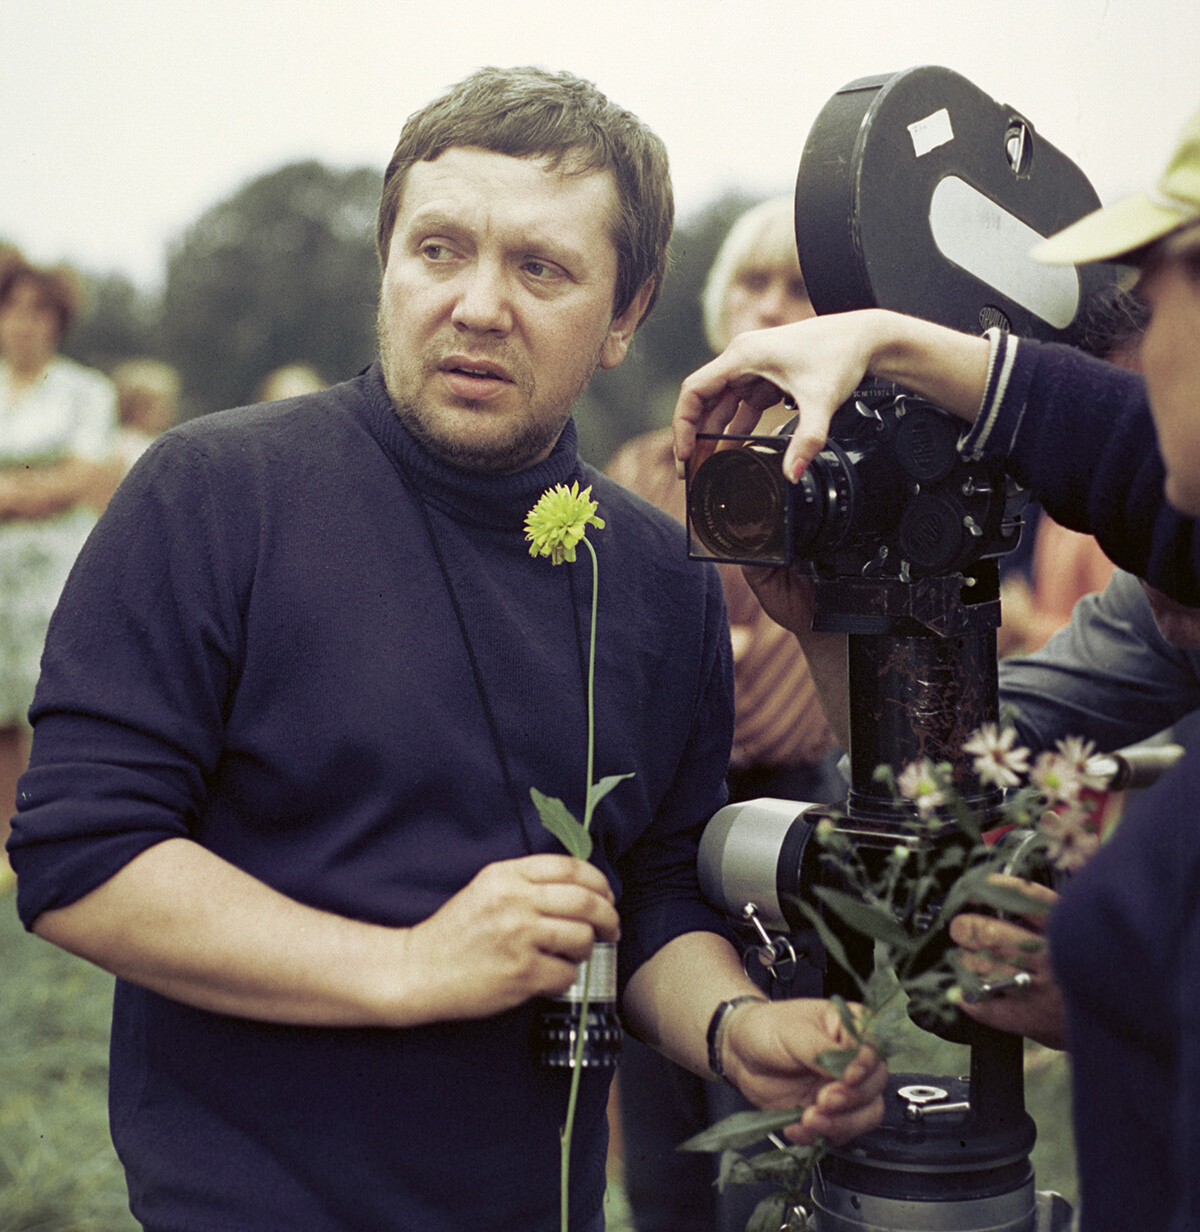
(148, 392)
(56, 430)
(782, 745)
(289, 381)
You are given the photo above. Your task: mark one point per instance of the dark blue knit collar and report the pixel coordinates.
(468, 496)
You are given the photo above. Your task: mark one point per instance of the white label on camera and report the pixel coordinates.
(931, 132)
(986, 240)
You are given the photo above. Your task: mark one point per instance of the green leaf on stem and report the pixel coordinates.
(976, 887)
(599, 790)
(732, 1169)
(559, 820)
(784, 1164)
(1008, 898)
(769, 1214)
(849, 1021)
(834, 1060)
(870, 919)
(887, 1027)
(829, 939)
(742, 1129)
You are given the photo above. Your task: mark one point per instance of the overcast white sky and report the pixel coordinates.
(122, 120)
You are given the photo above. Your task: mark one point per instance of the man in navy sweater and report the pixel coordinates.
(298, 691)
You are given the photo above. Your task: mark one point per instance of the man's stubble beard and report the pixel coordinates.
(527, 440)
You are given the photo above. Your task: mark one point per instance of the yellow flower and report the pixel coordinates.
(555, 525)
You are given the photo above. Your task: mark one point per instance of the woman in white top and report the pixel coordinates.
(56, 433)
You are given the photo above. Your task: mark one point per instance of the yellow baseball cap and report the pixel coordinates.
(1128, 225)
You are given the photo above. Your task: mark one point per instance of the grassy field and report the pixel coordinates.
(58, 1172)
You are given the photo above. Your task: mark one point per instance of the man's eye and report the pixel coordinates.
(435, 252)
(539, 269)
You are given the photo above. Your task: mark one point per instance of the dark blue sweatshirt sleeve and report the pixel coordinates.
(661, 896)
(128, 714)
(1078, 433)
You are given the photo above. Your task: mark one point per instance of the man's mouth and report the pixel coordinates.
(474, 380)
(477, 370)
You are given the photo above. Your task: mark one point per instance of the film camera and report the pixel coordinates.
(915, 192)
(889, 495)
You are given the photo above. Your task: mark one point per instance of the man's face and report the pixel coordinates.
(1170, 355)
(762, 296)
(497, 304)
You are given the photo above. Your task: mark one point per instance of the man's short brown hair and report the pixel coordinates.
(533, 113)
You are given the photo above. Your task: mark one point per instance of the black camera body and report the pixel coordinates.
(890, 496)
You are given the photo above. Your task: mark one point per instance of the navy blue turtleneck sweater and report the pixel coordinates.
(259, 650)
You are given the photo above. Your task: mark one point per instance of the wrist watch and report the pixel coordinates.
(717, 1026)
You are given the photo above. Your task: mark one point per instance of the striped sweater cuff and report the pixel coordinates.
(1000, 366)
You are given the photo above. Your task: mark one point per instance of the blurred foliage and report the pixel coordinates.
(284, 271)
(117, 322)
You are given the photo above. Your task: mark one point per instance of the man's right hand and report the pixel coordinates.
(518, 930)
(182, 921)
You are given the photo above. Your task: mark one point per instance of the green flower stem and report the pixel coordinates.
(580, 1039)
(553, 527)
(573, 1098)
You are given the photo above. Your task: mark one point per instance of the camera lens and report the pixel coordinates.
(738, 504)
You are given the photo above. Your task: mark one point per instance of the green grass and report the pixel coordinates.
(58, 1171)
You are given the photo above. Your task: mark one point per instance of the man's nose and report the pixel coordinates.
(484, 302)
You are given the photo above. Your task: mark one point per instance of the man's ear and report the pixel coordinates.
(621, 331)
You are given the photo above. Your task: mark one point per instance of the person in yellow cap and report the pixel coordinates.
(1127, 228)
(1117, 455)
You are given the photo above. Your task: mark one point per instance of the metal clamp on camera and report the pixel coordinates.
(916, 192)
